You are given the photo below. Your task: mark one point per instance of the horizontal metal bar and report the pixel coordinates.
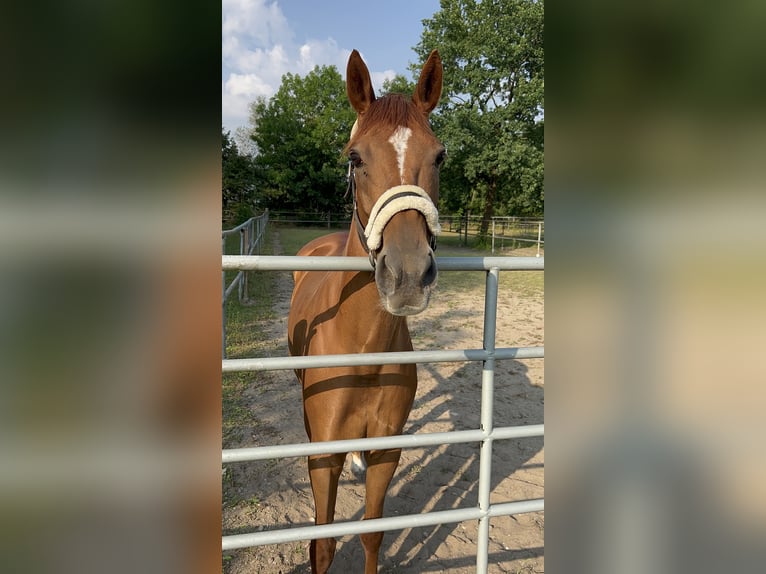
(333, 263)
(512, 238)
(252, 221)
(337, 529)
(374, 525)
(523, 431)
(366, 359)
(318, 222)
(349, 445)
(519, 507)
(239, 227)
(362, 444)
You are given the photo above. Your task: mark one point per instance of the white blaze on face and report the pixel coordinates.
(399, 141)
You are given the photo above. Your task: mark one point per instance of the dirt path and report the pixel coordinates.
(277, 493)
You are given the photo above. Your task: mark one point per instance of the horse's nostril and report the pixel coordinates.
(392, 266)
(429, 276)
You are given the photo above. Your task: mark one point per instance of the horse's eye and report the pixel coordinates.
(355, 158)
(440, 158)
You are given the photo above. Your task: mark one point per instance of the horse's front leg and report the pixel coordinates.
(324, 472)
(381, 465)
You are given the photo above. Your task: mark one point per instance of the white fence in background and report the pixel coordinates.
(251, 233)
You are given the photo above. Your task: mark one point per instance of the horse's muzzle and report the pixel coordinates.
(405, 280)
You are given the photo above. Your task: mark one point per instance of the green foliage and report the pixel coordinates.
(492, 109)
(300, 133)
(398, 85)
(238, 181)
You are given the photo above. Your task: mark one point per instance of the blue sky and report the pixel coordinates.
(263, 39)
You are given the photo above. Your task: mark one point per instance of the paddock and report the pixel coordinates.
(484, 430)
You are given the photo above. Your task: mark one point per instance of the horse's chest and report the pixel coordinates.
(369, 401)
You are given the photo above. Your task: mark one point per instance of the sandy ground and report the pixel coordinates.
(262, 495)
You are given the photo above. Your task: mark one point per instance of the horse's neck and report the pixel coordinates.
(353, 246)
(377, 329)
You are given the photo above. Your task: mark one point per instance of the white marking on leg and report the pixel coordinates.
(399, 141)
(358, 464)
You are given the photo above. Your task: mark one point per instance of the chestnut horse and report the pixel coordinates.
(394, 177)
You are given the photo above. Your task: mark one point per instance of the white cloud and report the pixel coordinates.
(260, 20)
(322, 53)
(235, 110)
(247, 85)
(267, 63)
(258, 49)
(253, 38)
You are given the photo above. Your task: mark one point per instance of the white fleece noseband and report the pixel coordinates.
(396, 199)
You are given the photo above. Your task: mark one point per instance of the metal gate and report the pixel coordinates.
(486, 434)
(251, 233)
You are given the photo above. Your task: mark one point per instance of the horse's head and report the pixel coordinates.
(394, 171)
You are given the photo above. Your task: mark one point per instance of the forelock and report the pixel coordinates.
(390, 112)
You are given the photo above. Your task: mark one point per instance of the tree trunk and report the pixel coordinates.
(489, 208)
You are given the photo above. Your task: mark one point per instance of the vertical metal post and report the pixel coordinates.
(539, 235)
(263, 221)
(247, 236)
(487, 408)
(241, 290)
(223, 306)
(493, 236)
(465, 228)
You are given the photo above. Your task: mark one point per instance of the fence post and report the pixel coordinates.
(223, 307)
(493, 236)
(240, 290)
(246, 236)
(539, 235)
(487, 407)
(465, 229)
(259, 231)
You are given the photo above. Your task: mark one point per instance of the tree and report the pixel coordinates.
(243, 139)
(491, 118)
(238, 180)
(398, 85)
(300, 134)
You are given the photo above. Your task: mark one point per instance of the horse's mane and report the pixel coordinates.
(390, 111)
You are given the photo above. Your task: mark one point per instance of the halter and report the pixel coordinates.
(395, 199)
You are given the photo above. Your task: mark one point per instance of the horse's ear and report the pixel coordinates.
(429, 88)
(358, 83)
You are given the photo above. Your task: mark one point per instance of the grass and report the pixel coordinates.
(523, 283)
(244, 338)
(293, 238)
(235, 410)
